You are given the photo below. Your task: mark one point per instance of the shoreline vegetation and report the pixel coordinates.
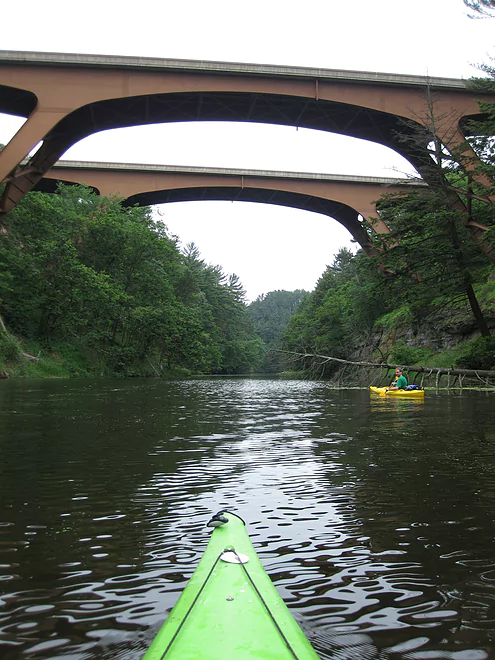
(83, 307)
(89, 287)
(416, 373)
(66, 361)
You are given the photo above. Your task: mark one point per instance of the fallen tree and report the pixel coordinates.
(482, 375)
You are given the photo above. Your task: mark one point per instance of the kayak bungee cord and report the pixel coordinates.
(254, 593)
(264, 603)
(241, 562)
(190, 607)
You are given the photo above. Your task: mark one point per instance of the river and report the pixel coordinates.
(373, 516)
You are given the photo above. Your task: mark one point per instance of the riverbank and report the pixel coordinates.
(23, 359)
(32, 360)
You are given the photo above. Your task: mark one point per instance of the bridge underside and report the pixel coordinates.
(354, 121)
(346, 119)
(15, 101)
(342, 213)
(69, 97)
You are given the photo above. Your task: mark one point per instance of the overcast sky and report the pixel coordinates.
(268, 247)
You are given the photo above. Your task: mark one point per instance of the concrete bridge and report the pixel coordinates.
(67, 97)
(341, 197)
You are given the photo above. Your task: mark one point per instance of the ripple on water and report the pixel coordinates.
(375, 522)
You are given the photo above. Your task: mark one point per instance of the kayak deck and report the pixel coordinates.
(382, 391)
(229, 609)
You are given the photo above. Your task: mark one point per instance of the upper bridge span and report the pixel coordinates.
(344, 198)
(66, 97)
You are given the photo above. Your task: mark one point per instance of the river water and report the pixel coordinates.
(374, 517)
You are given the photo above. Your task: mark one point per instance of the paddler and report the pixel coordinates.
(399, 382)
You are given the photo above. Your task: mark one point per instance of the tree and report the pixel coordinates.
(82, 268)
(270, 315)
(221, 301)
(481, 132)
(431, 227)
(481, 8)
(431, 254)
(337, 317)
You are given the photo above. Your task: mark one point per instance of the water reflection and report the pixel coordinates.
(373, 516)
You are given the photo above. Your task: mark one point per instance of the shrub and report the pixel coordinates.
(400, 316)
(480, 355)
(10, 351)
(408, 355)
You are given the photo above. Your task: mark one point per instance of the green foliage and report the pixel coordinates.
(82, 270)
(270, 315)
(408, 355)
(242, 355)
(10, 349)
(486, 291)
(480, 355)
(431, 254)
(401, 316)
(353, 305)
(448, 357)
(337, 317)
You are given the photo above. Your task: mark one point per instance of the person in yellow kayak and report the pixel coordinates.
(399, 382)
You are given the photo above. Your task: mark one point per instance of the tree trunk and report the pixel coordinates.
(383, 365)
(477, 313)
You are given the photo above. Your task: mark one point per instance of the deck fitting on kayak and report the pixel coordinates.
(257, 622)
(232, 557)
(217, 520)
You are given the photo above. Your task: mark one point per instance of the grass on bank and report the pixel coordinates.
(63, 361)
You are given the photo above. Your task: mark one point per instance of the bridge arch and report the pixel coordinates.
(80, 95)
(347, 216)
(349, 200)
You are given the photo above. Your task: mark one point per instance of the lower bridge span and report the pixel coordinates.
(351, 200)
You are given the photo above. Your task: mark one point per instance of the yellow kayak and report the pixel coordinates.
(382, 391)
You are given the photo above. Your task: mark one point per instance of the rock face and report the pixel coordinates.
(439, 331)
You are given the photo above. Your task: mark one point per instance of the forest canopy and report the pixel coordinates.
(83, 269)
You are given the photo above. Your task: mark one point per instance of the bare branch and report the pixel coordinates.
(381, 365)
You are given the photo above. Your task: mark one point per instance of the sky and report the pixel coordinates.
(268, 247)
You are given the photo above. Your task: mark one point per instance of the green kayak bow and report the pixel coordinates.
(230, 609)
